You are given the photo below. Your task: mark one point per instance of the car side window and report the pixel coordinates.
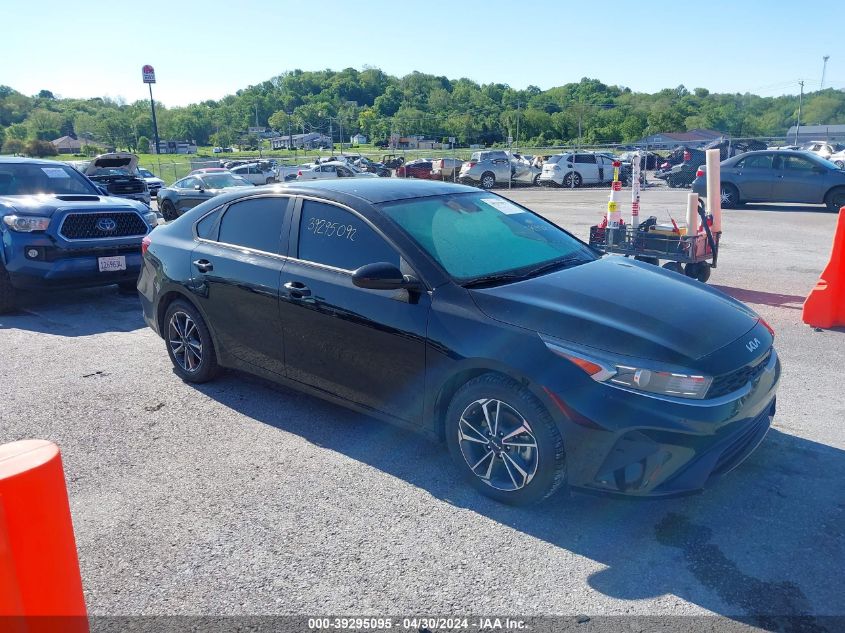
(255, 223)
(760, 161)
(333, 236)
(798, 163)
(207, 227)
(189, 183)
(585, 158)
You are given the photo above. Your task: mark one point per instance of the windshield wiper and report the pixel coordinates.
(561, 262)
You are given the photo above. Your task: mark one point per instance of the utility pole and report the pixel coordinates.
(800, 101)
(256, 114)
(824, 70)
(518, 104)
(149, 76)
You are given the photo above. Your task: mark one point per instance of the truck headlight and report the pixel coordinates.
(26, 223)
(664, 382)
(151, 218)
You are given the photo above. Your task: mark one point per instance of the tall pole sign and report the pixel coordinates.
(149, 75)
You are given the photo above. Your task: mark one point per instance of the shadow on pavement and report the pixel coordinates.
(75, 312)
(752, 547)
(776, 300)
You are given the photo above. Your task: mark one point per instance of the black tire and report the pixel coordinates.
(674, 267)
(648, 260)
(839, 163)
(168, 211)
(536, 181)
(567, 179)
(488, 180)
(700, 271)
(269, 181)
(511, 473)
(190, 347)
(729, 196)
(7, 291)
(835, 199)
(128, 286)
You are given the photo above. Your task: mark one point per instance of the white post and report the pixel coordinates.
(714, 181)
(692, 214)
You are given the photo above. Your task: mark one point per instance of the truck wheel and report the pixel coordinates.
(7, 291)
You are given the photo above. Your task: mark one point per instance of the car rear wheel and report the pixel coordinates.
(536, 181)
(488, 180)
(189, 343)
(269, 181)
(729, 196)
(835, 200)
(7, 291)
(168, 210)
(504, 441)
(567, 179)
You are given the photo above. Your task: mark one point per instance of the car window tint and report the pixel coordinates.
(207, 227)
(255, 223)
(335, 237)
(585, 158)
(798, 163)
(760, 161)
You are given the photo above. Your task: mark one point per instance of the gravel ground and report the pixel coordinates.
(239, 497)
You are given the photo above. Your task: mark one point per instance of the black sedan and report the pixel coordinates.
(467, 317)
(190, 191)
(777, 176)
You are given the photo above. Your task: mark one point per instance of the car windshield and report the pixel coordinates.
(554, 159)
(21, 179)
(224, 181)
(145, 173)
(481, 235)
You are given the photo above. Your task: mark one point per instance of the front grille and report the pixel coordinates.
(742, 443)
(730, 382)
(126, 187)
(87, 226)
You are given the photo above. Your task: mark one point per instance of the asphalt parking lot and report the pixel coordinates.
(239, 497)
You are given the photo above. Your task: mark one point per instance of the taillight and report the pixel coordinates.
(145, 244)
(699, 173)
(299, 173)
(767, 326)
(472, 164)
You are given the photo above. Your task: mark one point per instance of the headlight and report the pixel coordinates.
(151, 218)
(26, 223)
(664, 382)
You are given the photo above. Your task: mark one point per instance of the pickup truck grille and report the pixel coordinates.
(728, 383)
(93, 226)
(126, 187)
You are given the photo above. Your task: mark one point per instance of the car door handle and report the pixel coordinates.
(297, 289)
(203, 265)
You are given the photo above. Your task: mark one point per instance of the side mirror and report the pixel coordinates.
(383, 276)
(198, 187)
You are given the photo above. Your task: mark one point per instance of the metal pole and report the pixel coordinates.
(155, 124)
(800, 100)
(824, 70)
(517, 125)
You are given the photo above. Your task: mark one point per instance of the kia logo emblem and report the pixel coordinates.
(106, 225)
(752, 345)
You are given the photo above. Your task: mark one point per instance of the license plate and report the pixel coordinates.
(110, 264)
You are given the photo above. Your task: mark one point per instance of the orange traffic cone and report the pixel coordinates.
(40, 585)
(825, 305)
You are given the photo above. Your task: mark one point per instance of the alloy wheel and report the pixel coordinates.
(184, 340)
(726, 196)
(498, 444)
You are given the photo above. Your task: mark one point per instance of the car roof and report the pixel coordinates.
(372, 190)
(32, 161)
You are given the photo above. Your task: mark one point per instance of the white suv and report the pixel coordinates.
(584, 168)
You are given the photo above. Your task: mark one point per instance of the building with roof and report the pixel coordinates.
(71, 145)
(312, 140)
(816, 133)
(696, 138)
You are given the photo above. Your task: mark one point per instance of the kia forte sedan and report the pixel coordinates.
(467, 317)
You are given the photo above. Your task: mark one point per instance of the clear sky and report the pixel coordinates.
(205, 50)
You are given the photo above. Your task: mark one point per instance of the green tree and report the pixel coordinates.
(40, 148)
(13, 146)
(143, 145)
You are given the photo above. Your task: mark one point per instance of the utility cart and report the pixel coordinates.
(692, 255)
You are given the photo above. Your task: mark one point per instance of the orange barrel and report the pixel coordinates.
(39, 568)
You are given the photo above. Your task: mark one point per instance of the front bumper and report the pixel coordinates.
(625, 443)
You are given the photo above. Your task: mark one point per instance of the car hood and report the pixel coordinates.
(114, 160)
(624, 307)
(47, 205)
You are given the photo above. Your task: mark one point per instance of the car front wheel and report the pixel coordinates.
(488, 180)
(835, 200)
(7, 291)
(504, 441)
(189, 343)
(729, 196)
(168, 210)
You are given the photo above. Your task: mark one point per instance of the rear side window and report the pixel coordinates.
(585, 158)
(255, 223)
(333, 236)
(207, 227)
(761, 161)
